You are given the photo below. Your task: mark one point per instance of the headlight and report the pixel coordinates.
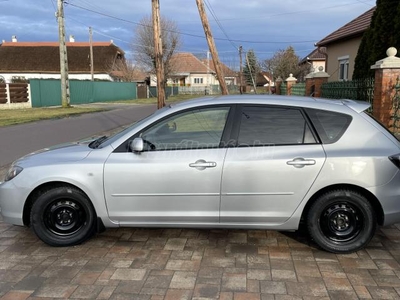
(12, 172)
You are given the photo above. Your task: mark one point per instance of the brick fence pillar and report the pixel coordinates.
(278, 83)
(310, 84)
(290, 81)
(319, 78)
(387, 71)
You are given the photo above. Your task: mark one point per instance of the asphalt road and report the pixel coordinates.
(19, 140)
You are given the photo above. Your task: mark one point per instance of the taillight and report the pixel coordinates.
(395, 159)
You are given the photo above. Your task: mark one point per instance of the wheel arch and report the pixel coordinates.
(367, 194)
(39, 190)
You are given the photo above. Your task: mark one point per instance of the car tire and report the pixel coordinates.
(63, 216)
(341, 221)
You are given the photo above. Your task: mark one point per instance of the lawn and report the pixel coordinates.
(18, 116)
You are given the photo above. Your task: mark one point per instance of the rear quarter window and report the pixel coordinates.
(330, 125)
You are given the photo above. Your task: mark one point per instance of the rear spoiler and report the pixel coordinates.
(356, 105)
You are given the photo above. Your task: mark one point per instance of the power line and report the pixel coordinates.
(189, 34)
(208, 5)
(296, 12)
(54, 6)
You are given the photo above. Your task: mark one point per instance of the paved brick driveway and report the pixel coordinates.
(133, 263)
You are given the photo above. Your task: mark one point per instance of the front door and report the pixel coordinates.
(177, 179)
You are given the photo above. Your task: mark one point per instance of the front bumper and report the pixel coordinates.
(12, 200)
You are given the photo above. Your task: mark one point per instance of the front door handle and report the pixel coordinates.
(301, 162)
(201, 164)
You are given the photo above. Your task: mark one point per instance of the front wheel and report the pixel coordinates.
(63, 216)
(341, 221)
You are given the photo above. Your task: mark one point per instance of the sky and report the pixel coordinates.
(264, 26)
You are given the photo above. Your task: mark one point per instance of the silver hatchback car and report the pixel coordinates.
(265, 162)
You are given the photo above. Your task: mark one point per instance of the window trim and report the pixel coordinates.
(199, 79)
(234, 140)
(345, 61)
(226, 133)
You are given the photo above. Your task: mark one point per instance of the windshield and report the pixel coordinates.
(115, 136)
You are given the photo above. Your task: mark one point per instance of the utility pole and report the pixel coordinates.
(91, 52)
(158, 53)
(251, 73)
(211, 45)
(65, 100)
(241, 70)
(208, 73)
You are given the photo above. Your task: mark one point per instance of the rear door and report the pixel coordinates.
(275, 162)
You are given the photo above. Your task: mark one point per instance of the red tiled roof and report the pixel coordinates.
(315, 55)
(354, 28)
(225, 69)
(187, 63)
(33, 57)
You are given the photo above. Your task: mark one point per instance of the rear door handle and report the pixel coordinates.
(201, 164)
(301, 162)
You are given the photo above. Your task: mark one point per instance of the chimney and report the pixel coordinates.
(72, 39)
(3, 41)
(112, 41)
(14, 39)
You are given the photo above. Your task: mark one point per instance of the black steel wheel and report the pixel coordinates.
(341, 221)
(63, 216)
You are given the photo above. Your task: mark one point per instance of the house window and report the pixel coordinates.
(343, 68)
(198, 80)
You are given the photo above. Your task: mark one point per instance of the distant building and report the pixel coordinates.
(342, 46)
(41, 60)
(315, 59)
(188, 70)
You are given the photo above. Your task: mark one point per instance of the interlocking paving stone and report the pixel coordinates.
(129, 263)
(232, 282)
(273, 287)
(183, 280)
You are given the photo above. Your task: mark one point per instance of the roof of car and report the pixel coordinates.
(357, 106)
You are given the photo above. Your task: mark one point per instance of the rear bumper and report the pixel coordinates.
(389, 197)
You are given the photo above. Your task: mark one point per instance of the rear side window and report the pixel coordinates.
(261, 126)
(330, 125)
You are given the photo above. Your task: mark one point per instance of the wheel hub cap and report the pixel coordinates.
(64, 217)
(341, 222)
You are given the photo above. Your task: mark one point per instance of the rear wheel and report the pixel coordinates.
(63, 216)
(341, 221)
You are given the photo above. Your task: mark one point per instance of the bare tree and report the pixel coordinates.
(144, 44)
(285, 62)
(125, 70)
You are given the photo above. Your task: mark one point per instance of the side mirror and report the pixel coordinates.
(136, 145)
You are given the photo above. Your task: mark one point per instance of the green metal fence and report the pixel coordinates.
(48, 92)
(283, 89)
(169, 91)
(360, 89)
(299, 89)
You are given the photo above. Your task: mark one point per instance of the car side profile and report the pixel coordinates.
(246, 161)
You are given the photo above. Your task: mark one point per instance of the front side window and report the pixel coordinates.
(194, 129)
(262, 126)
(343, 68)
